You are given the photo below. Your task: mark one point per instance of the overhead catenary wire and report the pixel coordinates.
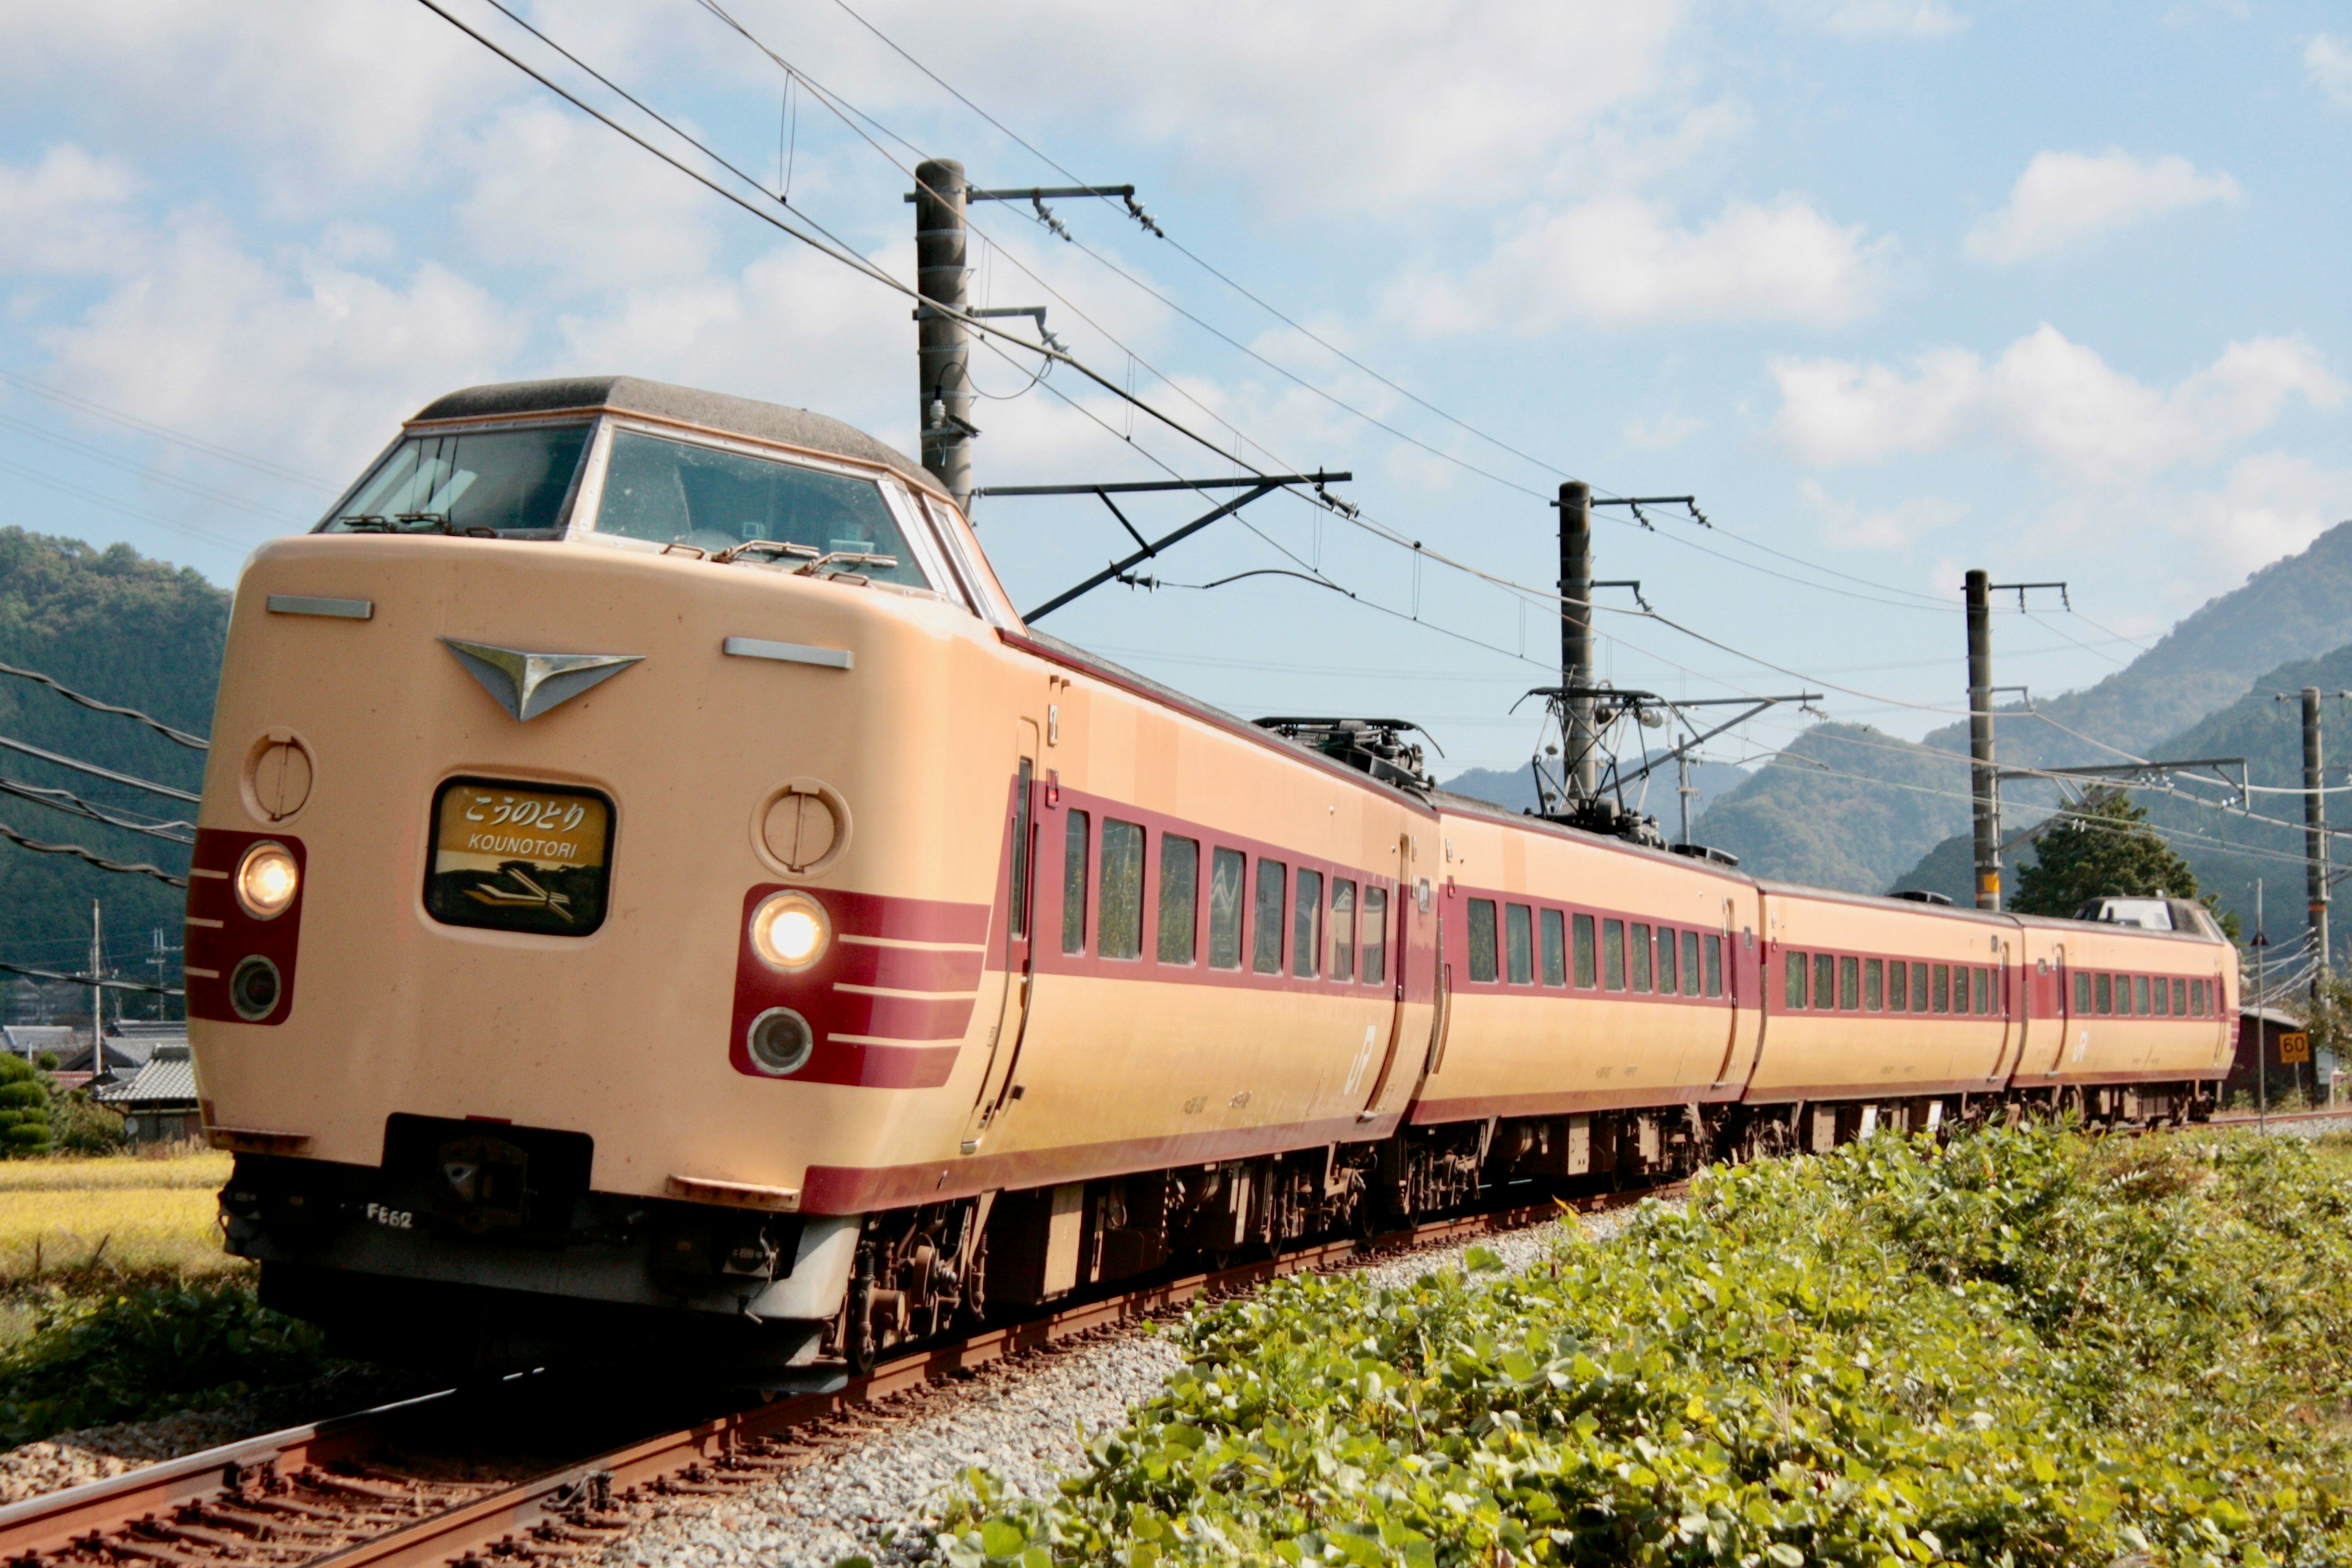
(65, 801)
(142, 986)
(128, 868)
(99, 705)
(92, 769)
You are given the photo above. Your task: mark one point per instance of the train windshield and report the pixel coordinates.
(674, 492)
(473, 481)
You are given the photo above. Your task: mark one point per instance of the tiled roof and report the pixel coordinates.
(168, 1079)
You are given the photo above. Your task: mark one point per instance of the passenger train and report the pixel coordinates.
(655, 899)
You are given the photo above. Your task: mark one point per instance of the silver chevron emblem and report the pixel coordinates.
(528, 684)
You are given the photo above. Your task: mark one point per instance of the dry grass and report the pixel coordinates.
(125, 1213)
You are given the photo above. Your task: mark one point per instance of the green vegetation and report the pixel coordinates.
(2102, 848)
(2023, 1349)
(24, 1109)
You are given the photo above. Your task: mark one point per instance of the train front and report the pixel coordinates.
(574, 886)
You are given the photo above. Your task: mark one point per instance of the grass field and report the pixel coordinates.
(139, 1216)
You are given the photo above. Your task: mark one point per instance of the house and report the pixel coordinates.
(159, 1102)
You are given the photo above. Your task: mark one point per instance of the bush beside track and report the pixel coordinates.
(2022, 1348)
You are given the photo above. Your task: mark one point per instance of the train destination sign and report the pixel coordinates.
(517, 856)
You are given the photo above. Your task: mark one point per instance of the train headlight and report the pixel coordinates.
(266, 880)
(789, 930)
(780, 1041)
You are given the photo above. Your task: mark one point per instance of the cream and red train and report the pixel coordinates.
(654, 897)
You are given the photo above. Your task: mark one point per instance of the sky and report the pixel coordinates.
(1895, 288)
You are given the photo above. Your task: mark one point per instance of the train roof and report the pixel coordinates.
(680, 406)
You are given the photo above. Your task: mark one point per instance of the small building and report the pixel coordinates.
(159, 1102)
(2259, 1031)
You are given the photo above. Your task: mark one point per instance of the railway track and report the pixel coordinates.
(370, 1491)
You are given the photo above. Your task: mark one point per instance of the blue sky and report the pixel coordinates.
(1896, 286)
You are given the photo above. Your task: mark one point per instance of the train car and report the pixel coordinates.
(654, 898)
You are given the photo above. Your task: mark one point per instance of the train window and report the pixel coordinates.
(1555, 948)
(1376, 935)
(1306, 920)
(1824, 980)
(1074, 884)
(1849, 985)
(1519, 943)
(1226, 875)
(2197, 994)
(2104, 985)
(510, 481)
(1980, 991)
(2081, 992)
(2180, 998)
(2139, 994)
(1667, 950)
(674, 492)
(1793, 994)
(1612, 954)
(1690, 963)
(1586, 971)
(1343, 930)
(1020, 849)
(1715, 966)
(2163, 998)
(1268, 957)
(1899, 987)
(1874, 985)
(1180, 898)
(1640, 951)
(1481, 940)
(1943, 994)
(1919, 988)
(1119, 922)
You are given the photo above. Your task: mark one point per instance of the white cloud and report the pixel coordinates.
(563, 196)
(64, 214)
(1888, 528)
(2049, 396)
(1668, 429)
(2329, 62)
(1867, 18)
(2065, 199)
(1619, 258)
(2273, 504)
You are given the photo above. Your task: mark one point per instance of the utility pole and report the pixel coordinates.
(2261, 1033)
(96, 993)
(1683, 789)
(2315, 837)
(1983, 787)
(945, 342)
(1584, 772)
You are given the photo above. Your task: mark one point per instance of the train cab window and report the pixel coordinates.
(1306, 920)
(676, 492)
(1715, 966)
(1180, 898)
(1483, 967)
(1118, 920)
(1376, 935)
(507, 481)
(1943, 992)
(1555, 948)
(1638, 950)
(1267, 959)
(2139, 994)
(1980, 991)
(1612, 956)
(2163, 998)
(1343, 930)
(1587, 973)
(1074, 883)
(1690, 963)
(1519, 943)
(2105, 987)
(1919, 988)
(1824, 980)
(1225, 876)
(2081, 992)
(1849, 993)
(1668, 963)
(1792, 990)
(1898, 986)
(2180, 998)
(1874, 986)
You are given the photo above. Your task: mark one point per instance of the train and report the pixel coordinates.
(655, 904)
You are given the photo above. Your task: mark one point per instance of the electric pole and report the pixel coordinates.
(1983, 786)
(1583, 745)
(2314, 836)
(945, 342)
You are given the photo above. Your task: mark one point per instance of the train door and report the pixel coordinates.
(1019, 971)
(1405, 921)
(2010, 998)
(1727, 1066)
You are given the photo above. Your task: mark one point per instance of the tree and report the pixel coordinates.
(24, 1109)
(2103, 848)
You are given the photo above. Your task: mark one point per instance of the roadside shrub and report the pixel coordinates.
(24, 1109)
(80, 1125)
(147, 1351)
(2022, 1349)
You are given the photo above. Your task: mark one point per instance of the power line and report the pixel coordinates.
(97, 706)
(75, 805)
(92, 857)
(95, 983)
(96, 772)
(162, 432)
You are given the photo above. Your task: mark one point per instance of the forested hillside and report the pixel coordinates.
(129, 630)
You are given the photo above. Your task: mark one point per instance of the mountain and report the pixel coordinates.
(2296, 608)
(1517, 790)
(129, 630)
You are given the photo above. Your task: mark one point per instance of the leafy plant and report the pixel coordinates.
(78, 1124)
(24, 1109)
(2020, 1349)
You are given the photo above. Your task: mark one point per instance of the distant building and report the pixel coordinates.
(2259, 1029)
(158, 1103)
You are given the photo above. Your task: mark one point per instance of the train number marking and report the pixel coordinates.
(1239, 1099)
(393, 1219)
(1197, 1104)
(1363, 1059)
